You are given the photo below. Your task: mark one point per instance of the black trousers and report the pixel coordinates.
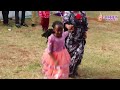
(5, 17)
(17, 17)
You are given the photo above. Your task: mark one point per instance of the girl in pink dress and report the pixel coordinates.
(56, 58)
(44, 19)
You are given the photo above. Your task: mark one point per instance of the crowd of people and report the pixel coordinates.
(43, 15)
(65, 41)
(18, 24)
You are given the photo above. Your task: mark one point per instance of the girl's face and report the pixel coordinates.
(58, 31)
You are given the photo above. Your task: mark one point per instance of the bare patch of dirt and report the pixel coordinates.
(106, 48)
(20, 31)
(12, 46)
(9, 36)
(4, 57)
(24, 53)
(103, 48)
(14, 50)
(116, 23)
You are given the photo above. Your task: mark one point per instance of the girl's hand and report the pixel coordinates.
(54, 60)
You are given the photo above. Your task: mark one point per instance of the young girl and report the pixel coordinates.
(56, 58)
(44, 19)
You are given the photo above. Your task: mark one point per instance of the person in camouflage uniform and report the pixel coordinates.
(76, 22)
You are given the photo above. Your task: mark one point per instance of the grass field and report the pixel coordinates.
(21, 50)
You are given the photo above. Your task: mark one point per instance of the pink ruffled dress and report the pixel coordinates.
(57, 47)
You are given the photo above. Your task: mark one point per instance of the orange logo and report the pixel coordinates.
(100, 17)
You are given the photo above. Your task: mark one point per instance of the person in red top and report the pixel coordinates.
(44, 19)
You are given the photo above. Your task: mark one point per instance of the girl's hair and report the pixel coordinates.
(50, 31)
(57, 23)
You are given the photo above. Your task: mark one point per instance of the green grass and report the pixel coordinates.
(21, 50)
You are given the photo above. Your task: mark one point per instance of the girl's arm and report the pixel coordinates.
(50, 49)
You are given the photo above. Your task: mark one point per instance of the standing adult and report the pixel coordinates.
(44, 19)
(76, 40)
(17, 22)
(5, 17)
